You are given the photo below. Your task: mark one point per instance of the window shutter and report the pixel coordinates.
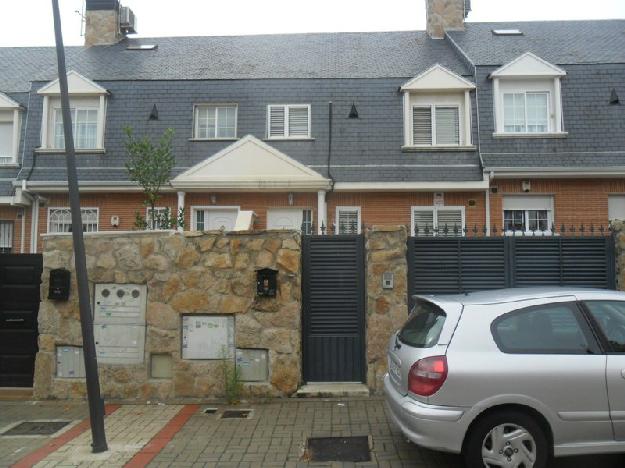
(276, 121)
(422, 125)
(348, 222)
(447, 126)
(450, 219)
(298, 121)
(423, 222)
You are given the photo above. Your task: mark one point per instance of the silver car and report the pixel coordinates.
(510, 378)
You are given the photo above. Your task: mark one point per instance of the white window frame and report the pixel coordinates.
(347, 208)
(11, 159)
(526, 216)
(82, 208)
(196, 108)
(48, 122)
(432, 108)
(286, 135)
(434, 210)
(196, 208)
(74, 110)
(525, 93)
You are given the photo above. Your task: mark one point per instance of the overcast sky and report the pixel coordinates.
(21, 27)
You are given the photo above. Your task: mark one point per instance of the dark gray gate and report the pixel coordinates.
(439, 265)
(333, 293)
(20, 278)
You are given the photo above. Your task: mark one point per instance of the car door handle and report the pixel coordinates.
(623, 373)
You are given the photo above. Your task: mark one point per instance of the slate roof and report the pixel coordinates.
(558, 42)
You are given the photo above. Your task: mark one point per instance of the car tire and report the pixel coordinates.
(507, 434)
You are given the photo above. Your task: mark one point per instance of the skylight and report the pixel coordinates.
(142, 47)
(507, 32)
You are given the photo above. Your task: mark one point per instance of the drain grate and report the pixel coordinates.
(344, 449)
(236, 414)
(210, 411)
(36, 428)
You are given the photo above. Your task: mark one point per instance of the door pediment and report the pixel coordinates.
(250, 164)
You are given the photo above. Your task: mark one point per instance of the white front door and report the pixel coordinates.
(214, 219)
(285, 218)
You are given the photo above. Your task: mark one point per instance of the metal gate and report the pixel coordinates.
(20, 277)
(333, 293)
(439, 265)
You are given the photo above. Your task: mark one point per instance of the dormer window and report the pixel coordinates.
(9, 130)
(88, 112)
(437, 110)
(527, 98)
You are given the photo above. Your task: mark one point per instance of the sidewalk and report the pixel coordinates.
(274, 435)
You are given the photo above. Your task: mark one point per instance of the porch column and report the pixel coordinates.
(180, 208)
(322, 211)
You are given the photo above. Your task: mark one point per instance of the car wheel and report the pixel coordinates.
(506, 439)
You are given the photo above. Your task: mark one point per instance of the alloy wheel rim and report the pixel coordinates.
(508, 446)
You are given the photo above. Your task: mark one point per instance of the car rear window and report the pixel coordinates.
(424, 325)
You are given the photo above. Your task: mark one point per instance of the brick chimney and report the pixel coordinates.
(102, 23)
(446, 15)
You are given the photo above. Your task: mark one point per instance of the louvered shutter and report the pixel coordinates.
(276, 121)
(447, 126)
(298, 121)
(423, 223)
(450, 220)
(348, 222)
(422, 125)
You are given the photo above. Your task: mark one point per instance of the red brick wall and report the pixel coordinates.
(9, 213)
(576, 201)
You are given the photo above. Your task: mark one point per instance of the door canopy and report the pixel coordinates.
(253, 165)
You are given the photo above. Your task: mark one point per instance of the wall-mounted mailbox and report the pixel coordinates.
(59, 284)
(387, 280)
(266, 282)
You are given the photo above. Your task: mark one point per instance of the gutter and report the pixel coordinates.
(549, 172)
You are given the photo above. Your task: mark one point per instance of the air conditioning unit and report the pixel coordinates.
(127, 21)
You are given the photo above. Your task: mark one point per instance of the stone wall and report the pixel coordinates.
(387, 309)
(618, 228)
(194, 273)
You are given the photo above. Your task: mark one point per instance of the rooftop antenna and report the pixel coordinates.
(81, 13)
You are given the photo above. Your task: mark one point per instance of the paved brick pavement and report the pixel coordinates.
(274, 436)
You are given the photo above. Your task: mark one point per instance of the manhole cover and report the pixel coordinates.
(210, 411)
(347, 449)
(236, 414)
(40, 428)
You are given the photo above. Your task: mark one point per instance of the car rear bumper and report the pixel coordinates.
(435, 427)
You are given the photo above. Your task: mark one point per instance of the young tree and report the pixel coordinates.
(150, 165)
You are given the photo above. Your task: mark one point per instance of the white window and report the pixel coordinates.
(6, 236)
(526, 112)
(214, 122)
(288, 121)
(445, 221)
(348, 220)
(436, 125)
(84, 127)
(159, 217)
(60, 220)
(9, 135)
(616, 207)
(529, 215)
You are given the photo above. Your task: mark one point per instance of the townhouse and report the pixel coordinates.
(497, 126)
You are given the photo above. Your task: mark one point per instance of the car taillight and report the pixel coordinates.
(427, 375)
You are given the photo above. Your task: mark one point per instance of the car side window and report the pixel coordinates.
(545, 329)
(610, 318)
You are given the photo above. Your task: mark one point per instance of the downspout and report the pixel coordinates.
(329, 163)
(25, 132)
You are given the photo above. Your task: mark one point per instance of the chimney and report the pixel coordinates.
(446, 15)
(102, 23)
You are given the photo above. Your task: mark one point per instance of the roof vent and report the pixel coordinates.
(507, 32)
(142, 47)
(614, 99)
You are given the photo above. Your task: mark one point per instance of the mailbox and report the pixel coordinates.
(266, 282)
(59, 285)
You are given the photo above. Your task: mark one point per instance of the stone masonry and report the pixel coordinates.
(444, 15)
(191, 273)
(386, 308)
